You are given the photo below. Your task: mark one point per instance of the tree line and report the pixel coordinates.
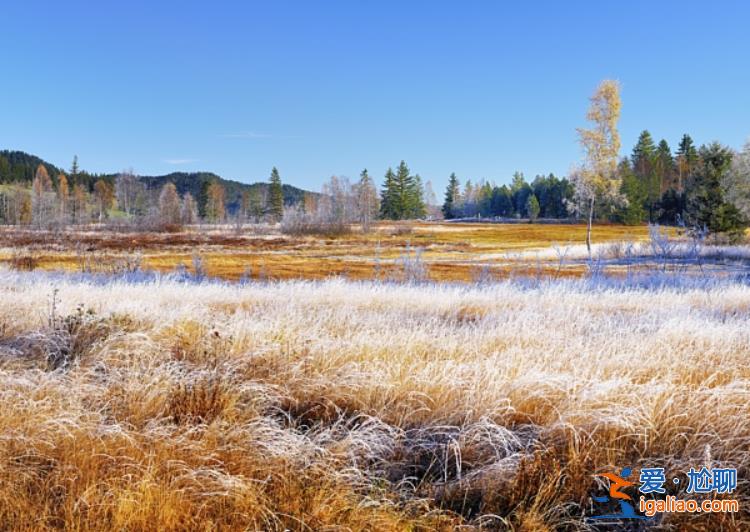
(60, 198)
(706, 187)
(544, 197)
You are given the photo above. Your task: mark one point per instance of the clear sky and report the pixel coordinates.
(321, 88)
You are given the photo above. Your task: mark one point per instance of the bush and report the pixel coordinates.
(298, 222)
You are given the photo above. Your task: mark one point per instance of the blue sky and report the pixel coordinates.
(328, 88)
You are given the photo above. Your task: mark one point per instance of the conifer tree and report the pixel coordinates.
(452, 193)
(275, 196)
(634, 191)
(707, 203)
(664, 167)
(532, 207)
(404, 184)
(388, 196)
(415, 207)
(643, 160)
(74, 170)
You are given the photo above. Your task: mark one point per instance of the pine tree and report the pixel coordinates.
(634, 192)
(452, 193)
(502, 201)
(203, 199)
(485, 199)
(644, 167)
(664, 167)
(415, 207)
(707, 204)
(74, 170)
(532, 207)
(404, 185)
(275, 196)
(388, 197)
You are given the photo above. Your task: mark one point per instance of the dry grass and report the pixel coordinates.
(313, 406)
(452, 252)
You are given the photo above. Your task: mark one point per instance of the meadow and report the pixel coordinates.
(138, 400)
(449, 252)
(359, 406)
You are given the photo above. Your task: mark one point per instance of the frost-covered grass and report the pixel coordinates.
(163, 404)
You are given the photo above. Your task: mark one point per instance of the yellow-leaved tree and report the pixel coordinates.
(597, 178)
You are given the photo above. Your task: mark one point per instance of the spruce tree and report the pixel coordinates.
(634, 191)
(203, 198)
(404, 184)
(644, 167)
(275, 196)
(707, 204)
(452, 192)
(532, 207)
(502, 201)
(415, 207)
(664, 166)
(74, 170)
(388, 197)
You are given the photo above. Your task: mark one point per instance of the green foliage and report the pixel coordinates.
(707, 205)
(634, 191)
(520, 197)
(402, 195)
(664, 166)
(532, 207)
(388, 209)
(553, 195)
(197, 183)
(671, 207)
(452, 196)
(20, 167)
(275, 196)
(644, 167)
(502, 201)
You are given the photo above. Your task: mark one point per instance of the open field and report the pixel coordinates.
(138, 401)
(454, 252)
(273, 406)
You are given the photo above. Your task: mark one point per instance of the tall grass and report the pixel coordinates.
(307, 406)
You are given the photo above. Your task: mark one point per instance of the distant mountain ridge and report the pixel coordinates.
(19, 167)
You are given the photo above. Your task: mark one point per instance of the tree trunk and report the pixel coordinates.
(588, 228)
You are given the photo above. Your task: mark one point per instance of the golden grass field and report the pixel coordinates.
(326, 400)
(342, 405)
(452, 252)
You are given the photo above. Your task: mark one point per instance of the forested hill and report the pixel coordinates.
(194, 181)
(19, 167)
